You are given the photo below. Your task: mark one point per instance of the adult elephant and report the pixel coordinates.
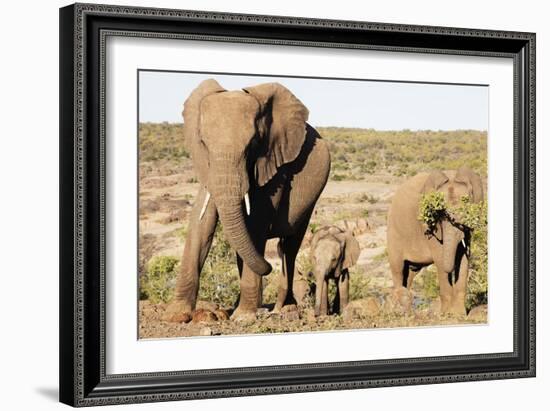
(261, 169)
(411, 247)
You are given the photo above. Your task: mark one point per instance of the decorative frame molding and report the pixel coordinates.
(83, 32)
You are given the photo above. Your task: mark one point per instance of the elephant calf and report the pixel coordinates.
(411, 247)
(333, 252)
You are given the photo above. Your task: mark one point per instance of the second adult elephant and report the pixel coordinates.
(411, 247)
(261, 169)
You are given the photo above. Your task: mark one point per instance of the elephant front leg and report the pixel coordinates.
(250, 297)
(197, 246)
(458, 300)
(445, 290)
(321, 297)
(288, 250)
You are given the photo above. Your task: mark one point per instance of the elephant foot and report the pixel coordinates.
(242, 315)
(178, 312)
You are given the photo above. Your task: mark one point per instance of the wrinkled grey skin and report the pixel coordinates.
(333, 252)
(251, 143)
(410, 248)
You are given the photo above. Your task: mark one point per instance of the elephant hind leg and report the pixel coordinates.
(399, 270)
(288, 250)
(400, 276)
(458, 300)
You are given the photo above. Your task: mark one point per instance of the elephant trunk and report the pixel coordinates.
(452, 237)
(229, 188)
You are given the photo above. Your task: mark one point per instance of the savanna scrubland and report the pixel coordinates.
(367, 166)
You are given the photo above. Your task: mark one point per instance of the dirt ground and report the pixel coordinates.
(166, 198)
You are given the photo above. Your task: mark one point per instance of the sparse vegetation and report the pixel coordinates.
(161, 141)
(361, 152)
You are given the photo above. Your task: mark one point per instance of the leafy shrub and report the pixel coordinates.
(432, 209)
(359, 283)
(158, 282)
(219, 281)
(270, 286)
(429, 283)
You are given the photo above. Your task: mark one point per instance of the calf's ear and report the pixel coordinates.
(351, 251)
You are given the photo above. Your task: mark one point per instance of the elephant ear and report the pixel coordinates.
(191, 132)
(467, 176)
(284, 119)
(435, 181)
(351, 250)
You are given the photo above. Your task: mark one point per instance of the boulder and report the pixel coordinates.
(362, 225)
(221, 315)
(203, 316)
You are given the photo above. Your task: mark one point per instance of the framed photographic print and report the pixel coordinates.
(261, 204)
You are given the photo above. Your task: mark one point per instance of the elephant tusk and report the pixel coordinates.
(247, 204)
(203, 209)
(464, 244)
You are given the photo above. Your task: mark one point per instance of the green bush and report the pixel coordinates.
(432, 209)
(359, 283)
(429, 283)
(158, 282)
(219, 281)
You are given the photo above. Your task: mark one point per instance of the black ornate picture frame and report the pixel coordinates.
(83, 32)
